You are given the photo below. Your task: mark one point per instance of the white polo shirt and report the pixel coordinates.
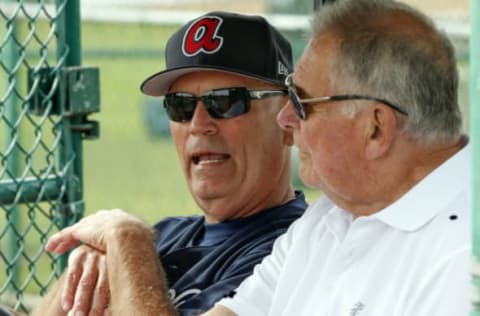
(410, 259)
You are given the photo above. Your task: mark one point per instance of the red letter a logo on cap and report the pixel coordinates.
(201, 36)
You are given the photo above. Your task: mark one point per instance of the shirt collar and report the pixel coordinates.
(428, 197)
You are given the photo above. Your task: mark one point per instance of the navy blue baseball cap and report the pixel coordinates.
(223, 41)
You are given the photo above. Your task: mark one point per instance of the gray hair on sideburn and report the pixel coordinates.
(391, 51)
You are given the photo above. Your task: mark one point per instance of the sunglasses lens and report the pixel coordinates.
(227, 103)
(220, 103)
(180, 106)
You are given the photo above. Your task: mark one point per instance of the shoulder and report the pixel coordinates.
(171, 227)
(267, 225)
(449, 231)
(311, 220)
(254, 240)
(316, 211)
(299, 229)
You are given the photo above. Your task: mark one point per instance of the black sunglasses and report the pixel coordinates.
(219, 103)
(300, 110)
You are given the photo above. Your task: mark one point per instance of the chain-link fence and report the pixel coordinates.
(44, 100)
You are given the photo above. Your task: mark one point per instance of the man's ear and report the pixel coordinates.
(380, 131)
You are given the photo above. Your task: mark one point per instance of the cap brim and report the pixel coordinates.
(158, 84)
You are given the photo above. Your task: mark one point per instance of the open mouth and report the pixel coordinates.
(203, 159)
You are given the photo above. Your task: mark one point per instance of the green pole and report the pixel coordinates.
(69, 43)
(12, 164)
(475, 139)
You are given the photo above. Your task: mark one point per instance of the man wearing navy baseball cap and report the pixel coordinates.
(223, 87)
(225, 42)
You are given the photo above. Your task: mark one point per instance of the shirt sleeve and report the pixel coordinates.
(255, 294)
(444, 291)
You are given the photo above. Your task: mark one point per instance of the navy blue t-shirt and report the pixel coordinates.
(206, 262)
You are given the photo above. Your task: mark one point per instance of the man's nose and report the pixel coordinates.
(202, 122)
(287, 118)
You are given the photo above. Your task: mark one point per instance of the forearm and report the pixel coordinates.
(51, 303)
(136, 279)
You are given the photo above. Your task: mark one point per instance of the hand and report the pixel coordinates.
(86, 283)
(94, 230)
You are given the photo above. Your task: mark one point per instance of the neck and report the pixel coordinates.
(396, 176)
(248, 207)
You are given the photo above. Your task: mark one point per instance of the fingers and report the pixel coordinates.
(72, 277)
(88, 230)
(62, 241)
(101, 295)
(91, 230)
(86, 287)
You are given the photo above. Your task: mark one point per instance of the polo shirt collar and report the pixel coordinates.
(428, 197)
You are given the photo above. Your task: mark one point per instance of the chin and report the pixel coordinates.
(207, 194)
(309, 181)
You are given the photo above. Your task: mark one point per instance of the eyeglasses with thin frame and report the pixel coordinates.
(220, 103)
(300, 110)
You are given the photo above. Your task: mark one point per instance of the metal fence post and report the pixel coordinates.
(475, 139)
(70, 47)
(11, 104)
(41, 188)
